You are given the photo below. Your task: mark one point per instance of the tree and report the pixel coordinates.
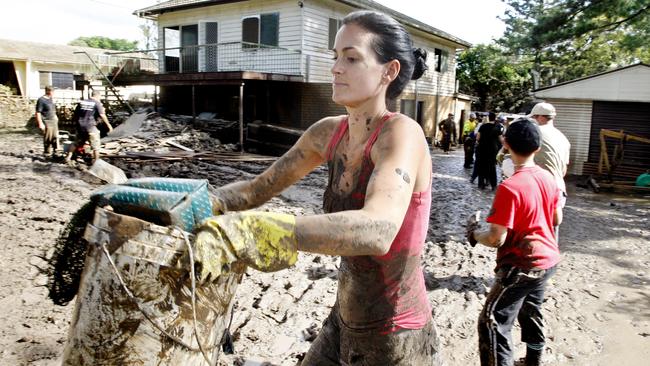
(594, 35)
(105, 43)
(500, 82)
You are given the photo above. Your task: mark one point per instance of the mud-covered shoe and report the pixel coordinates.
(533, 357)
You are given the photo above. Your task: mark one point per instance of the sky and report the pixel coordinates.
(61, 21)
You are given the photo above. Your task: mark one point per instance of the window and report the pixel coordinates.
(334, 26)
(441, 58)
(59, 80)
(261, 30)
(44, 79)
(407, 107)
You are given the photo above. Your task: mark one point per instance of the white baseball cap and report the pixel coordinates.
(543, 109)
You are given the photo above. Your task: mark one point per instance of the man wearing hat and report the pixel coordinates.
(524, 212)
(554, 152)
(448, 129)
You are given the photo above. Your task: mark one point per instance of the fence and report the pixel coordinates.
(222, 57)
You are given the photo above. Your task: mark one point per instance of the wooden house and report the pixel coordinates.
(271, 61)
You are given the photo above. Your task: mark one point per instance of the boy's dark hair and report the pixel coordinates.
(523, 136)
(392, 42)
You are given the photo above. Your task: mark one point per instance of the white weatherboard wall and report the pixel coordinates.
(631, 84)
(574, 120)
(574, 104)
(229, 18)
(316, 31)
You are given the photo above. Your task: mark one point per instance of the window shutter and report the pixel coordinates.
(334, 26)
(250, 31)
(270, 29)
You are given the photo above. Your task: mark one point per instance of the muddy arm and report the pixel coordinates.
(308, 152)
(493, 237)
(371, 230)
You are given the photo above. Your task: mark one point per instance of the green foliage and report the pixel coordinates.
(565, 39)
(551, 41)
(105, 43)
(500, 82)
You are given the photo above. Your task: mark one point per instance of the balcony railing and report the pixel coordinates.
(222, 57)
(132, 63)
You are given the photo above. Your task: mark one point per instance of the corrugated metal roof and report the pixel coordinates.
(173, 5)
(44, 52)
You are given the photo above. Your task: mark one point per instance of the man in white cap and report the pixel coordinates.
(554, 152)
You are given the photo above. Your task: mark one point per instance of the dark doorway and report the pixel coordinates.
(189, 50)
(8, 77)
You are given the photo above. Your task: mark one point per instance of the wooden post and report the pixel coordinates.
(193, 105)
(155, 98)
(241, 117)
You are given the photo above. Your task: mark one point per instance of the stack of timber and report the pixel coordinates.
(15, 111)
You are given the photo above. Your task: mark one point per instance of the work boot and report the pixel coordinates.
(533, 357)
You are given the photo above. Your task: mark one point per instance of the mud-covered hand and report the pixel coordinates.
(265, 241)
(472, 225)
(500, 157)
(218, 205)
(213, 256)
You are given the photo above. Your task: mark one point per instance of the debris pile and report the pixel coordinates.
(15, 111)
(161, 135)
(147, 145)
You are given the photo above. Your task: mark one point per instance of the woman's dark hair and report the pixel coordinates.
(392, 42)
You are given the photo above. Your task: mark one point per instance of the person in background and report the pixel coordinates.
(489, 143)
(524, 212)
(448, 129)
(554, 152)
(86, 115)
(469, 140)
(480, 123)
(376, 203)
(48, 122)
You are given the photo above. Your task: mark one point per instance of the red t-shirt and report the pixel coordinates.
(525, 204)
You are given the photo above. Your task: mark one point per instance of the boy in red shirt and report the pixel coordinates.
(524, 211)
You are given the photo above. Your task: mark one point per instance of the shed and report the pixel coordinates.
(616, 100)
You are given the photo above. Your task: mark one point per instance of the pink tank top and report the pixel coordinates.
(383, 293)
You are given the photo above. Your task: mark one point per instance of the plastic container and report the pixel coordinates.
(112, 327)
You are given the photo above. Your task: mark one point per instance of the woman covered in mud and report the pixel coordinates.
(376, 206)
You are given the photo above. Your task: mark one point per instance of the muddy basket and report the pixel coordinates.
(134, 307)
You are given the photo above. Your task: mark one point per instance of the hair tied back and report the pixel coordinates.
(420, 56)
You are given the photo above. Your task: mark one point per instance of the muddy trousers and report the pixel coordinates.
(446, 142)
(516, 294)
(337, 345)
(51, 136)
(468, 147)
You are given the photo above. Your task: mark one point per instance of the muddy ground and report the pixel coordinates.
(597, 308)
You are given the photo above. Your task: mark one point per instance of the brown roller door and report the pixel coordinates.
(632, 118)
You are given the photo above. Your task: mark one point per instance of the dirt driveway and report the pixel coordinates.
(597, 308)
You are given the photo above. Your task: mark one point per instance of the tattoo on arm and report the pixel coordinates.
(404, 174)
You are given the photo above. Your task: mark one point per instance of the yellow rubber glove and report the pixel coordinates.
(263, 240)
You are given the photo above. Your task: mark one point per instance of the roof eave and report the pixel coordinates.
(590, 76)
(149, 13)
